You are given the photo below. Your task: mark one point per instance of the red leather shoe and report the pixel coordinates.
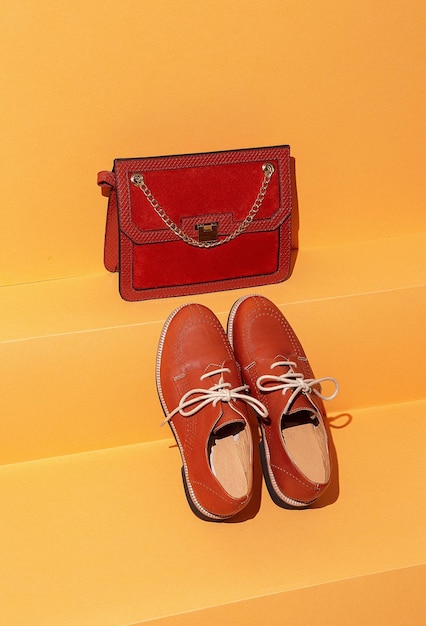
(294, 447)
(204, 400)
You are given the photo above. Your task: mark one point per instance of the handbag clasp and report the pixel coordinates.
(207, 232)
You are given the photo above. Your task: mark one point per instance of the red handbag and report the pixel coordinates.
(194, 223)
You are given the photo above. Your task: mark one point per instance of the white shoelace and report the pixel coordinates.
(221, 392)
(295, 381)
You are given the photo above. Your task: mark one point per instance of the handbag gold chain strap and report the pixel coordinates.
(268, 169)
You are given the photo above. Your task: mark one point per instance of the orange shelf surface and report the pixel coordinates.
(78, 373)
(108, 538)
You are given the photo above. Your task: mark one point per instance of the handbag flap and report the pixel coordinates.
(215, 189)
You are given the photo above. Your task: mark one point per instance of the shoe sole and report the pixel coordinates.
(276, 494)
(195, 506)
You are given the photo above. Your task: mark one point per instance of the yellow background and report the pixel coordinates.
(85, 81)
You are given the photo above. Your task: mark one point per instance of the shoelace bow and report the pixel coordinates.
(220, 392)
(295, 381)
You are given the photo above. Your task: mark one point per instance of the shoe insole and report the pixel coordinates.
(307, 449)
(230, 463)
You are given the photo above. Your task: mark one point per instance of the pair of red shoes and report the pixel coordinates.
(206, 381)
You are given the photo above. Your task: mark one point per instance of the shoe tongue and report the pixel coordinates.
(229, 413)
(301, 402)
(228, 417)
